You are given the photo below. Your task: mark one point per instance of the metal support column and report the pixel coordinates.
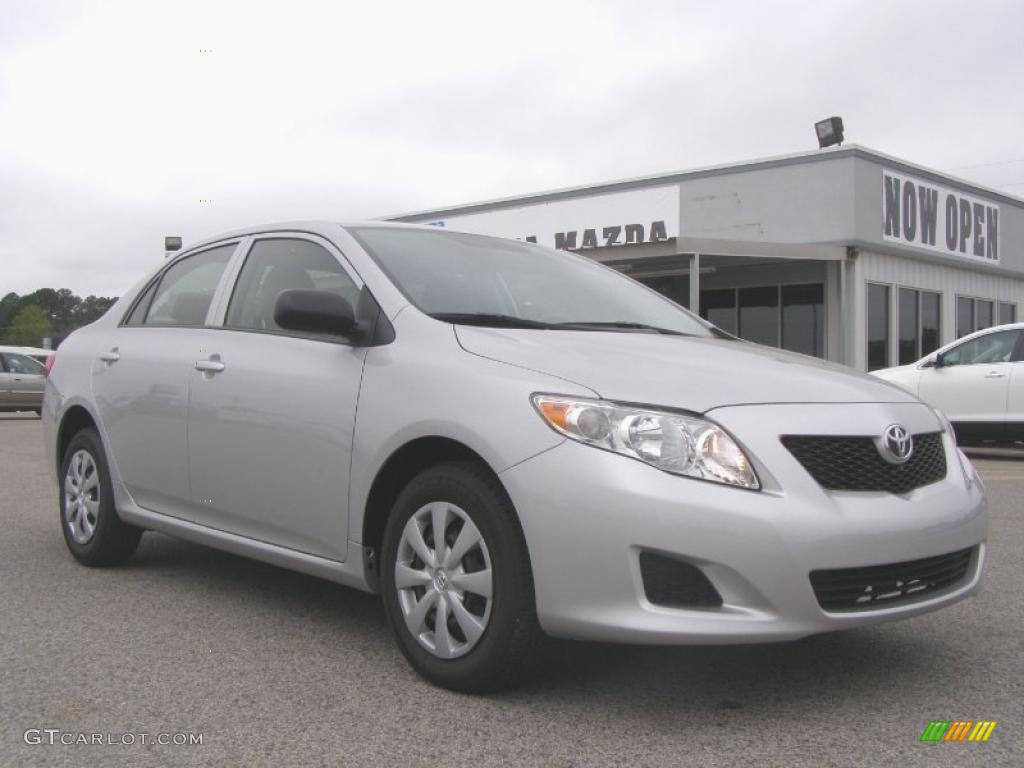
(695, 283)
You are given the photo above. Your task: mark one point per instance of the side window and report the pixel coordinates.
(138, 313)
(990, 348)
(284, 264)
(185, 291)
(16, 363)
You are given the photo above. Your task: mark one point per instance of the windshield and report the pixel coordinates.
(492, 281)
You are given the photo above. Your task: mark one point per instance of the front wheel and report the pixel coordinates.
(456, 580)
(92, 530)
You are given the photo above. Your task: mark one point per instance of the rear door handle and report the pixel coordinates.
(209, 366)
(994, 375)
(110, 357)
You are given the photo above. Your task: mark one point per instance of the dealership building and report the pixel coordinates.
(846, 253)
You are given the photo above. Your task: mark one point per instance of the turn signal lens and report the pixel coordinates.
(681, 444)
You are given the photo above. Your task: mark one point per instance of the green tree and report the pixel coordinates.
(28, 327)
(9, 305)
(91, 308)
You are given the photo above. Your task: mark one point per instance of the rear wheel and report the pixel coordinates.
(456, 580)
(92, 530)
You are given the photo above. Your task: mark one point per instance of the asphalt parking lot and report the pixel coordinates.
(279, 669)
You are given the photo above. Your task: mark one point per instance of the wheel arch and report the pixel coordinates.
(401, 466)
(75, 418)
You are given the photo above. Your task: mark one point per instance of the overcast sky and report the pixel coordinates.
(115, 123)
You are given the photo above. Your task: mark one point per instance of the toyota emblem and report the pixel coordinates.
(896, 445)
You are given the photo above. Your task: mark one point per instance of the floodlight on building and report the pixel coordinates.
(830, 131)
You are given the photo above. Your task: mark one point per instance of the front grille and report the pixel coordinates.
(883, 586)
(854, 464)
(676, 583)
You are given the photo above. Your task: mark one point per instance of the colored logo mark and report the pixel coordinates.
(958, 730)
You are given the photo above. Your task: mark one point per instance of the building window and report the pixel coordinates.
(982, 314)
(759, 315)
(931, 312)
(803, 319)
(674, 287)
(1007, 313)
(918, 324)
(909, 325)
(973, 315)
(878, 326)
(719, 308)
(790, 316)
(964, 316)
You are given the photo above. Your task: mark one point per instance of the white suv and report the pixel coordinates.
(977, 381)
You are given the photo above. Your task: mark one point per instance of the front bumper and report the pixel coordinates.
(587, 514)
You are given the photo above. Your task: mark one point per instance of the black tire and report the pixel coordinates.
(512, 637)
(112, 542)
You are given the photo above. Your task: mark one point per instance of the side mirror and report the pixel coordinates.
(314, 312)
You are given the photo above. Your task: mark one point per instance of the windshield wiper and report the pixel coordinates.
(620, 324)
(490, 320)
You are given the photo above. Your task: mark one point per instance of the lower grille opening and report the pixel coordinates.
(884, 586)
(676, 583)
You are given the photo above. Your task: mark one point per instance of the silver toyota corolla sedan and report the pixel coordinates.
(504, 441)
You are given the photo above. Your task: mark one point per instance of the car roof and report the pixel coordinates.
(312, 226)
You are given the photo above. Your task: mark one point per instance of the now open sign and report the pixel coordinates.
(920, 213)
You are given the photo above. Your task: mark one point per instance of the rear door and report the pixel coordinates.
(1015, 396)
(972, 385)
(141, 376)
(272, 411)
(25, 380)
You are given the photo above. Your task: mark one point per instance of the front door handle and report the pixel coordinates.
(110, 357)
(994, 375)
(209, 366)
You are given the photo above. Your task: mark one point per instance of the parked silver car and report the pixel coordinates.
(21, 381)
(504, 441)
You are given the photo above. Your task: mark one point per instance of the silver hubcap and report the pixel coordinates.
(443, 578)
(81, 497)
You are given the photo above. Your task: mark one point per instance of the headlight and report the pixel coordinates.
(683, 445)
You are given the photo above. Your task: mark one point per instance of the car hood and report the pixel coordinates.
(692, 373)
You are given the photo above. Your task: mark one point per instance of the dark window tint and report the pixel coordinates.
(803, 319)
(719, 308)
(284, 264)
(964, 316)
(930, 320)
(907, 320)
(138, 313)
(16, 363)
(1007, 313)
(759, 315)
(982, 314)
(186, 289)
(988, 348)
(878, 326)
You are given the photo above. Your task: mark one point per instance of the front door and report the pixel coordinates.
(272, 412)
